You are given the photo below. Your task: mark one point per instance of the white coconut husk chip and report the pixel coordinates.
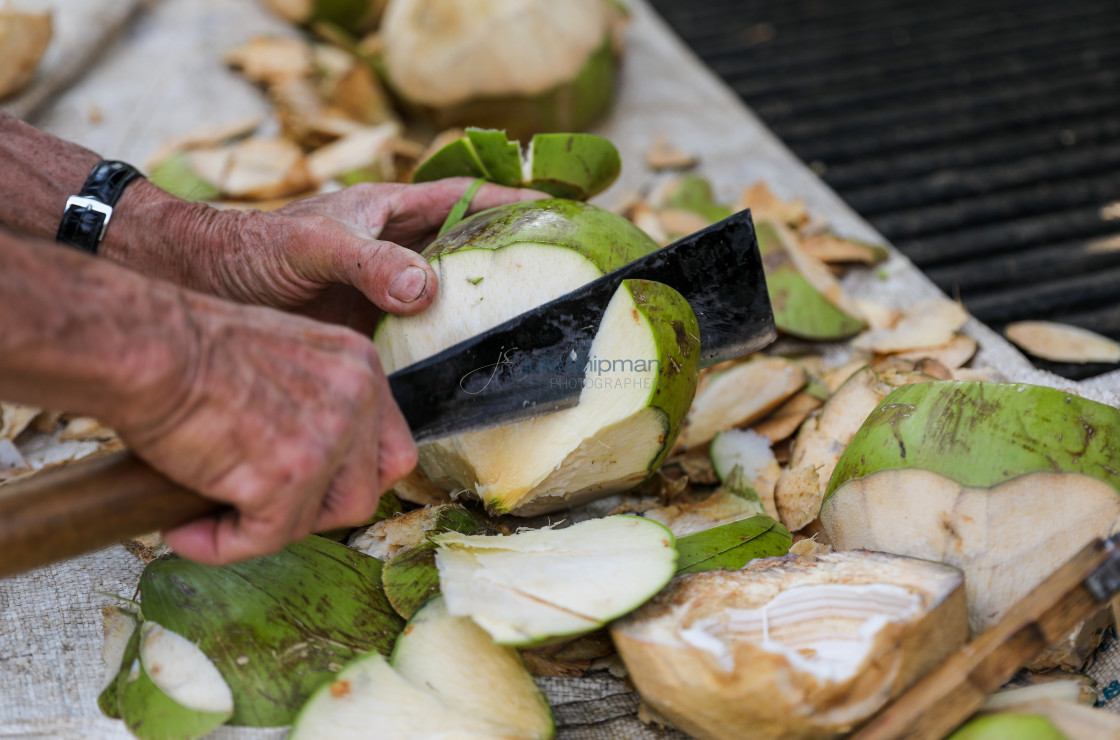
(663, 155)
(1058, 342)
(953, 355)
(677, 222)
(929, 323)
(14, 418)
(832, 249)
(765, 204)
(787, 418)
(24, 38)
(268, 60)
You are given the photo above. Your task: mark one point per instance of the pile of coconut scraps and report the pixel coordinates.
(336, 127)
(32, 440)
(24, 37)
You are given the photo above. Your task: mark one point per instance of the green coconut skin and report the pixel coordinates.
(1009, 727)
(606, 239)
(981, 434)
(276, 627)
(411, 578)
(573, 165)
(501, 157)
(677, 335)
(176, 175)
(799, 308)
(731, 546)
(572, 106)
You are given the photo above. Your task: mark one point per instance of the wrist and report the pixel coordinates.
(166, 237)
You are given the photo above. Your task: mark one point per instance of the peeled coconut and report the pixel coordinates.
(1005, 481)
(276, 628)
(539, 585)
(642, 370)
(24, 38)
(446, 679)
(525, 66)
(788, 648)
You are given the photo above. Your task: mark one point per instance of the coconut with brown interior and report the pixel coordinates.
(788, 648)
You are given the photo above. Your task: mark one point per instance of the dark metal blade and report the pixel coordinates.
(533, 364)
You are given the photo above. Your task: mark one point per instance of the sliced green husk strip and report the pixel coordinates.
(145, 701)
(459, 210)
(411, 579)
(800, 310)
(457, 159)
(575, 166)
(119, 630)
(500, 156)
(276, 627)
(731, 546)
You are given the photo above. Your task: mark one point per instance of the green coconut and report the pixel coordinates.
(642, 368)
(169, 689)
(538, 586)
(446, 679)
(1003, 480)
(1009, 727)
(411, 578)
(807, 299)
(277, 627)
(731, 546)
(355, 16)
(525, 66)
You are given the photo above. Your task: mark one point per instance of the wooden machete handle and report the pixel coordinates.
(87, 506)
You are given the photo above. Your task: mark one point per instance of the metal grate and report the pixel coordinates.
(982, 137)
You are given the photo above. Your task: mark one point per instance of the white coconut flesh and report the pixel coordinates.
(370, 699)
(721, 507)
(826, 630)
(539, 584)
(750, 452)
(739, 396)
(117, 628)
(791, 647)
(1007, 539)
(456, 661)
(444, 52)
(182, 671)
(604, 444)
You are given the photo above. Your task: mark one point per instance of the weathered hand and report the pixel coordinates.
(306, 255)
(288, 420)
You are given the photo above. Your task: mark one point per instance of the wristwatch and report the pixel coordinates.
(87, 214)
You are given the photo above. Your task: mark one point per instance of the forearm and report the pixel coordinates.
(151, 231)
(87, 336)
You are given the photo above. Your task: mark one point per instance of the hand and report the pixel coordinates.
(307, 255)
(288, 420)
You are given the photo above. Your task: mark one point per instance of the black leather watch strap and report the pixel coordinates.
(87, 214)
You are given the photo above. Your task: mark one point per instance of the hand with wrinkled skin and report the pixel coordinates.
(288, 420)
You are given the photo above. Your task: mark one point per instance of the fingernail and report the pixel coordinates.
(409, 284)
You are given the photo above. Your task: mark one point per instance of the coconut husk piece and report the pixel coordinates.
(82, 428)
(954, 354)
(15, 418)
(833, 249)
(663, 155)
(787, 418)
(261, 168)
(24, 38)
(269, 60)
(415, 488)
(364, 149)
(929, 323)
(765, 204)
(678, 222)
(206, 137)
(1058, 342)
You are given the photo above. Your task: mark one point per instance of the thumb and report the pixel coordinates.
(393, 278)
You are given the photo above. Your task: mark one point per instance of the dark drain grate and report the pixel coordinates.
(982, 137)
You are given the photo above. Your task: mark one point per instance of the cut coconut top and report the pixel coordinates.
(442, 52)
(539, 584)
(1062, 343)
(821, 616)
(182, 671)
